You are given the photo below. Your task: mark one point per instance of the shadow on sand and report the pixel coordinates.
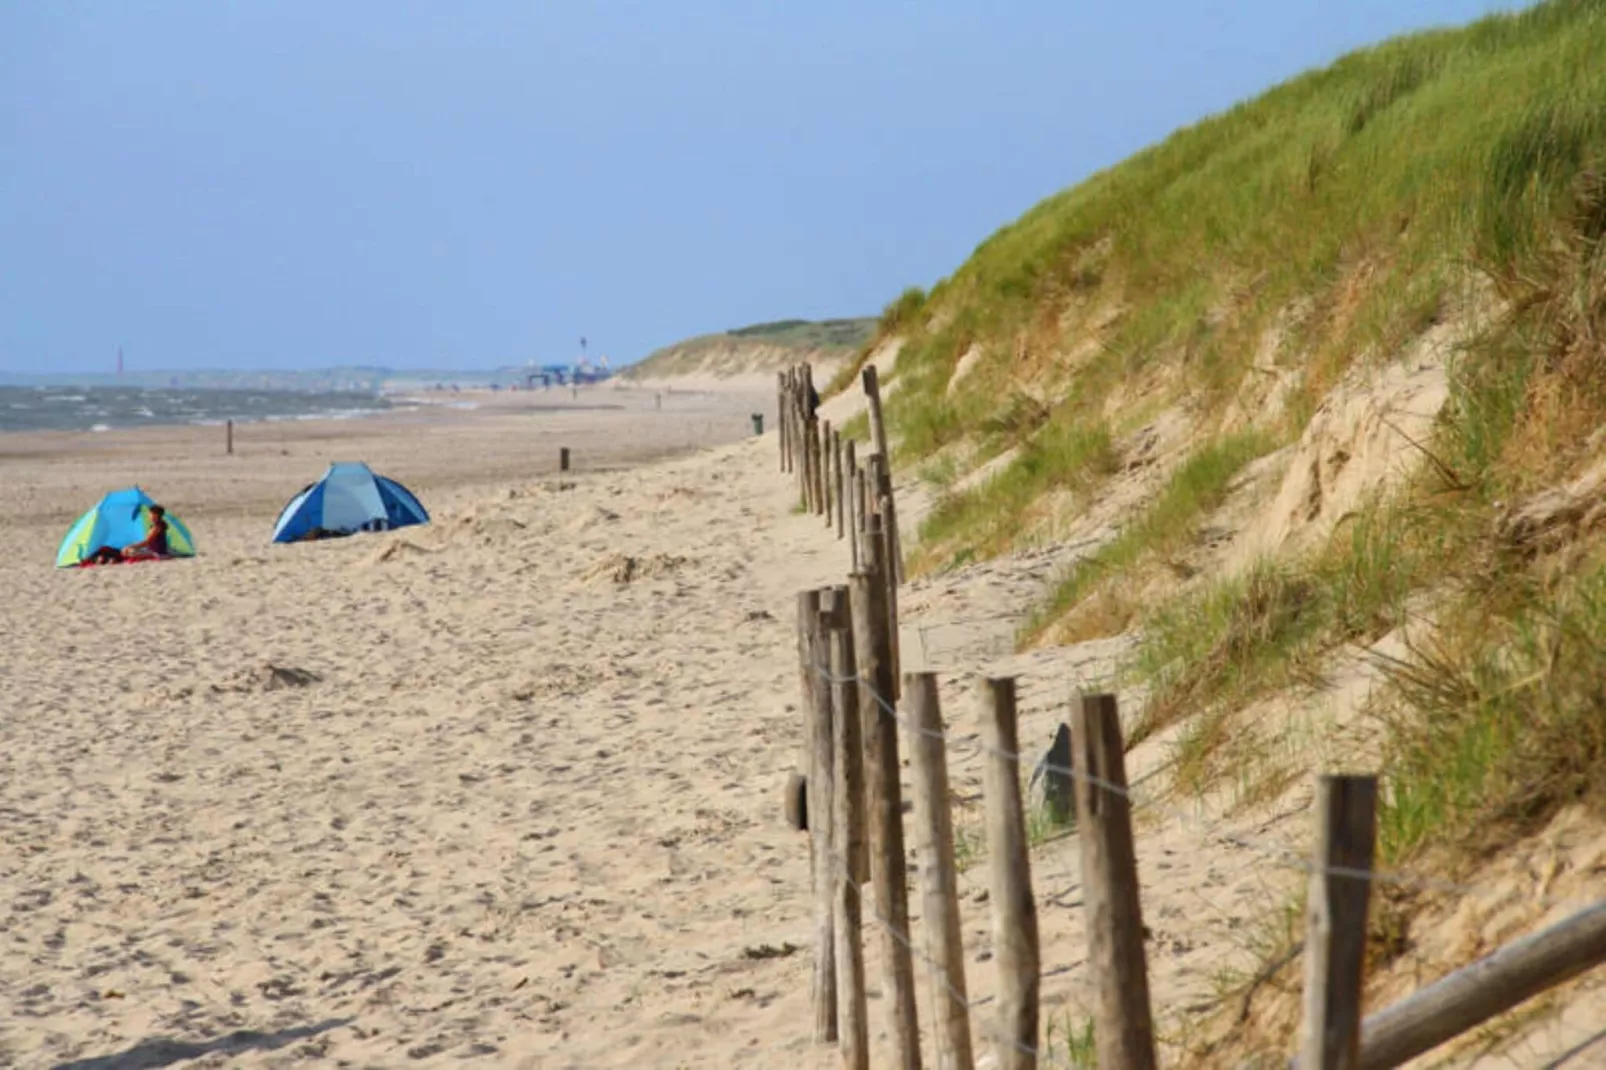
(164, 1051)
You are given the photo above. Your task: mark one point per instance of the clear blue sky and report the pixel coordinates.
(291, 183)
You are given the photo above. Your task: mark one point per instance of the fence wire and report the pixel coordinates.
(1278, 853)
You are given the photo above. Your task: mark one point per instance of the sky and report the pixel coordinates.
(297, 183)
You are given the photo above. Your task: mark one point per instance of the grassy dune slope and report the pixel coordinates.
(761, 347)
(1218, 294)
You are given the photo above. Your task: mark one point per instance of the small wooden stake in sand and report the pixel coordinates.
(563, 458)
(1335, 937)
(1124, 1028)
(1014, 909)
(939, 884)
(228, 437)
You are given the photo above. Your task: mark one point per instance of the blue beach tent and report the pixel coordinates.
(348, 499)
(119, 521)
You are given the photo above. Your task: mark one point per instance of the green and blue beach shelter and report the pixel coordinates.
(119, 520)
(348, 499)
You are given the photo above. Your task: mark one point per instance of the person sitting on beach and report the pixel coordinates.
(151, 547)
(154, 544)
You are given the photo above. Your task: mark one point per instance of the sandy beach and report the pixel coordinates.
(504, 790)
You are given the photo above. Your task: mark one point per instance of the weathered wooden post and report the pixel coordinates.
(826, 485)
(855, 508)
(1008, 851)
(817, 474)
(878, 432)
(887, 863)
(794, 430)
(810, 428)
(939, 882)
(812, 658)
(850, 473)
(1335, 932)
(800, 438)
(879, 487)
(780, 418)
(563, 458)
(1124, 1027)
(841, 483)
(852, 869)
(228, 438)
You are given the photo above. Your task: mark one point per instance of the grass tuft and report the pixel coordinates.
(1198, 486)
(1498, 721)
(1238, 638)
(1070, 1041)
(1063, 455)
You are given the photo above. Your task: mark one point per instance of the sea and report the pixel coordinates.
(101, 408)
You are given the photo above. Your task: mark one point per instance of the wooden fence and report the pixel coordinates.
(856, 700)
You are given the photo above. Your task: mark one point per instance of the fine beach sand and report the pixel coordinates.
(504, 790)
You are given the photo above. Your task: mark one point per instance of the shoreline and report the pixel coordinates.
(560, 398)
(446, 452)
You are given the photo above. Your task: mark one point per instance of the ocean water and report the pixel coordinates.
(103, 408)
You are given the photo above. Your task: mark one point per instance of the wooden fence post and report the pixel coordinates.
(780, 416)
(800, 438)
(805, 396)
(228, 438)
(850, 476)
(812, 657)
(1124, 1029)
(1014, 909)
(938, 881)
(878, 432)
(820, 504)
(888, 865)
(563, 458)
(855, 506)
(1335, 932)
(879, 486)
(827, 487)
(838, 482)
(808, 465)
(852, 868)
(795, 437)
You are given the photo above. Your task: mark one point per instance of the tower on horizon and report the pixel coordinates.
(119, 360)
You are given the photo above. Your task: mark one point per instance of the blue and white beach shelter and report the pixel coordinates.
(348, 499)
